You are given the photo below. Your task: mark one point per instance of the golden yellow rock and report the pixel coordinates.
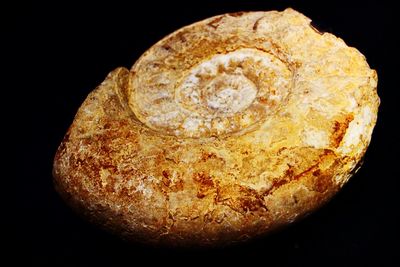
(223, 130)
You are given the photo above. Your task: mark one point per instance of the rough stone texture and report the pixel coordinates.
(223, 130)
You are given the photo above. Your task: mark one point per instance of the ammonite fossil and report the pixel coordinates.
(222, 131)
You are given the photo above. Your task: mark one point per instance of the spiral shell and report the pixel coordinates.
(214, 94)
(223, 130)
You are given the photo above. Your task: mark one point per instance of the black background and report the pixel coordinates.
(55, 54)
